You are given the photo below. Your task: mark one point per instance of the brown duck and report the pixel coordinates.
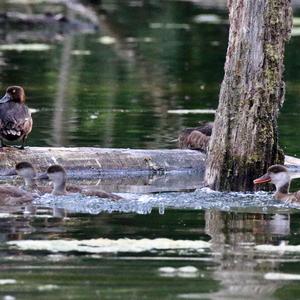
(196, 138)
(280, 177)
(15, 117)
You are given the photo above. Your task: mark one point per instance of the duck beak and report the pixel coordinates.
(11, 172)
(263, 179)
(43, 176)
(5, 98)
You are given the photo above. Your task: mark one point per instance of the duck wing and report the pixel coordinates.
(11, 196)
(15, 120)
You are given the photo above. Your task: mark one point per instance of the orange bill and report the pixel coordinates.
(263, 179)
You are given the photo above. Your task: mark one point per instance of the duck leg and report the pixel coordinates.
(2, 144)
(22, 147)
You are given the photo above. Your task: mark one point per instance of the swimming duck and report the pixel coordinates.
(279, 176)
(196, 138)
(13, 196)
(15, 117)
(58, 176)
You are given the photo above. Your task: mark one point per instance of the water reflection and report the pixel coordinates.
(233, 237)
(231, 268)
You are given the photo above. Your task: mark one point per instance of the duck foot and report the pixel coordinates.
(19, 147)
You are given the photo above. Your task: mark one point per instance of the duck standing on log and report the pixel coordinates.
(280, 177)
(196, 138)
(15, 117)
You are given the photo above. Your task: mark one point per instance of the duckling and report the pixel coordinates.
(57, 174)
(27, 171)
(196, 138)
(280, 177)
(13, 196)
(15, 117)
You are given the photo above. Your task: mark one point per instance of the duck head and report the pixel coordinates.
(278, 175)
(14, 94)
(58, 176)
(26, 171)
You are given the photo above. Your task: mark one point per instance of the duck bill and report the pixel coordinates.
(5, 98)
(43, 176)
(11, 172)
(263, 179)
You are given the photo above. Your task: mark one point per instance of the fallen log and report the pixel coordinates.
(107, 160)
(96, 161)
(123, 170)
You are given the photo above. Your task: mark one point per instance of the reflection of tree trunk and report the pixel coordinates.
(232, 239)
(152, 77)
(61, 104)
(244, 141)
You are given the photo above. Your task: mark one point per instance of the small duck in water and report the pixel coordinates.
(58, 176)
(15, 117)
(13, 196)
(280, 177)
(196, 138)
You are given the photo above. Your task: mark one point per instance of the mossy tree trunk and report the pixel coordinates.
(244, 141)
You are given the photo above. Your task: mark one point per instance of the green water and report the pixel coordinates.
(115, 88)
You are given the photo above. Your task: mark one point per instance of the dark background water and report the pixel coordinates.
(115, 87)
(119, 95)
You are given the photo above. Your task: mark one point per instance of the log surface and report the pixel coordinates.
(101, 160)
(108, 160)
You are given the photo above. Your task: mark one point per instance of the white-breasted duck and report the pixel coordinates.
(280, 177)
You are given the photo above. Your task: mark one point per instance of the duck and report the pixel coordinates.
(57, 174)
(280, 177)
(13, 196)
(15, 117)
(196, 138)
(28, 173)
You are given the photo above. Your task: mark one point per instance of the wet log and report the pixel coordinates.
(244, 140)
(95, 161)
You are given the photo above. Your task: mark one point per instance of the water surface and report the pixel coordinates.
(118, 86)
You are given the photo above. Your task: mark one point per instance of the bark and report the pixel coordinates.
(244, 141)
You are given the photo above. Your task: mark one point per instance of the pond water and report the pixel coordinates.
(135, 82)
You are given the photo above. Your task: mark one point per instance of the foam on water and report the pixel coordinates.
(143, 204)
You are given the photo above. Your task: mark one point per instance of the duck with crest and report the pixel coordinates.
(15, 117)
(58, 176)
(280, 177)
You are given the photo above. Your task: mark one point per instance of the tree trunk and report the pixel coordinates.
(244, 141)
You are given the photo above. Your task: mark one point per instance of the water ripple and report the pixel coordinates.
(201, 199)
